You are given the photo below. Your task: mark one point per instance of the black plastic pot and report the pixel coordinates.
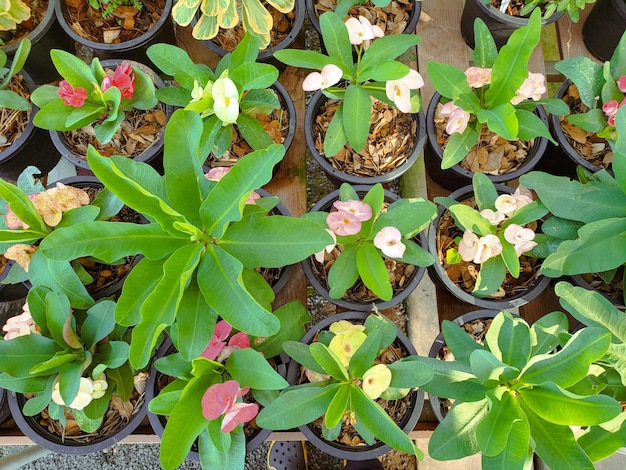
(604, 27)
(32, 147)
(580, 281)
(456, 177)
(440, 278)
(41, 436)
(438, 344)
(361, 452)
(336, 176)
(267, 55)
(4, 406)
(161, 32)
(158, 422)
(10, 292)
(152, 155)
(414, 17)
(46, 36)
(324, 205)
(500, 24)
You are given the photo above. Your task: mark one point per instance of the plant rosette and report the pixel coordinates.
(105, 103)
(484, 247)
(237, 99)
(358, 83)
(209, 403)
(352, 365)
(375, 241)
(600, 90)
(31, 213)
(498, 93)
(72, 366)
(516, 393)
(201, 247)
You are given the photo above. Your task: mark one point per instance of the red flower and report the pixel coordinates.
(123, 79)
(72, 96)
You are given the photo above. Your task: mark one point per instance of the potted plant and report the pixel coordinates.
(518, 394)
(189, 412)
(202, 245)
(587, 136)
(603, 27)
(25, 144)
(376, 239)
(503, 17)
(489, 118)
(483, 246)
(97, 102)
(37, 22)
(260, 112)
(69, 368)
(576, 239)
(343, 378)
(117, 29)
(343, 114)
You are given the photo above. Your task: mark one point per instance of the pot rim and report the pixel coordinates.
(39, 32)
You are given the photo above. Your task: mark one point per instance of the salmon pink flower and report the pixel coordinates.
(533, 87)
(20, 325)
(123, 79)
(478, 76)
(217, 350)
(621, 83)
(74, 97)
(329, 76)
(221, 399)
(343, 223)
(360, 210)
(389, 241)
(399, 91)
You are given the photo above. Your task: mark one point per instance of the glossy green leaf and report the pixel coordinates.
(531, 126)
(74, 70)
(337, 407)
(492, 434)
(123, 377)
(69, 380)
(365, 355)
(343, 273)
(138, 285)
(300, 353)
(600, 442)
(458, 341)
(176, 62)
(409, 374)
(501, 120)
(490, 277)
(468, 218)
(99, 323)
(303, 58)
(357, 106)
(485, 52)
(23, 208)
(409, 215)
(329, 361)
(23, 384)
(545, 332)
(373, 271)
(458, 147)
(485, 192)
(251, 369)
(489, 370)
(336, 40)
(516, 454)
(448, 80)
(509, 339)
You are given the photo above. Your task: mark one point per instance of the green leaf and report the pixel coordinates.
(492, 434)
(305, 59)
(509, 256)
(391, 70)
(559, 406)
(490, 370)
(600, 442)
(69, 380)
(74, 70)
(455, 437)
(253, 132)
(517, 453)
(253, 75)
(337, 407)
(485, 51)
(292, 316)
(448, 80)
(356, 123)
(365, 355)
(220, 281)
(99, 323)
(112, 354)
(458, 341)
(175, 62)
(329, 361)
(501, 120)
(39, 402)
(336, 40)
(490, 277)
(545, 332)
(343, 273)
(251, 369)
(335, 137)
(373, 271)
(138, 285)
(300, 353)
(123, 377)
(531, 126)
(23, 208)
(485, 192)
(586, 75)
(409, 215)
(387, 48)
(509, 340)
(458, 147)
(409, 374)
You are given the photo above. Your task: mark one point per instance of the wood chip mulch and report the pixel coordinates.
(12, 122)
(392, 19)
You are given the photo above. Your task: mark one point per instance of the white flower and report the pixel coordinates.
(327, 249)
(329, 75)
(533, 87)
(521, 238)
(488, 247)
(399, 91)
(226, 98)
(509, 203)
(99, 387)
(361, 30)
(494, 218)
(376, 380)
(20, 325)
(457, 121)
(83, 396)
(198, 92)
(389, 241)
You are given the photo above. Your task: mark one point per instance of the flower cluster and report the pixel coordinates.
(222, 94)
(361, 31)
(611, 107)
(87, 391)
(479, 249)
(50, 204)
(20, 325)
(217, 349)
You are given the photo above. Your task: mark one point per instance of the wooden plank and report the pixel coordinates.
(570, 36)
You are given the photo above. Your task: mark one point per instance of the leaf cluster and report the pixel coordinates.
(72, 344)
(11, 13)
(251, 78)
(9, 98)
(341, 394)
(549, 7)
(364, 78)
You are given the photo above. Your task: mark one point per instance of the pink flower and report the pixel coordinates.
(74, 97)
(319, 256)
(217, 173)
(361, 30)
(329, 75)
(343, 223)
(445, 110)
(237, 341)
(389, 241)
(621, 83)
(457, 121)
(20, 325)
(399, 91)
(360, 210)
(521, 238)
(123, 79)
(533, 87)
(478, 77)
(221, 399)
(216, 343)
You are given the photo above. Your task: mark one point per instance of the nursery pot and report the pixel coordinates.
(360, 452)
(266, 55)
(32, 147)
(10, 292)
(456, 177)
(440, 278)
(46, 36)
(158, 422)
(40, 435)
(414, 16)
(500, 24)
(337, 176)
(152, 155)
(604, 27)
(585, 281)
(161, 32)
(438, 407)
(4, 406)
(324, 205)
